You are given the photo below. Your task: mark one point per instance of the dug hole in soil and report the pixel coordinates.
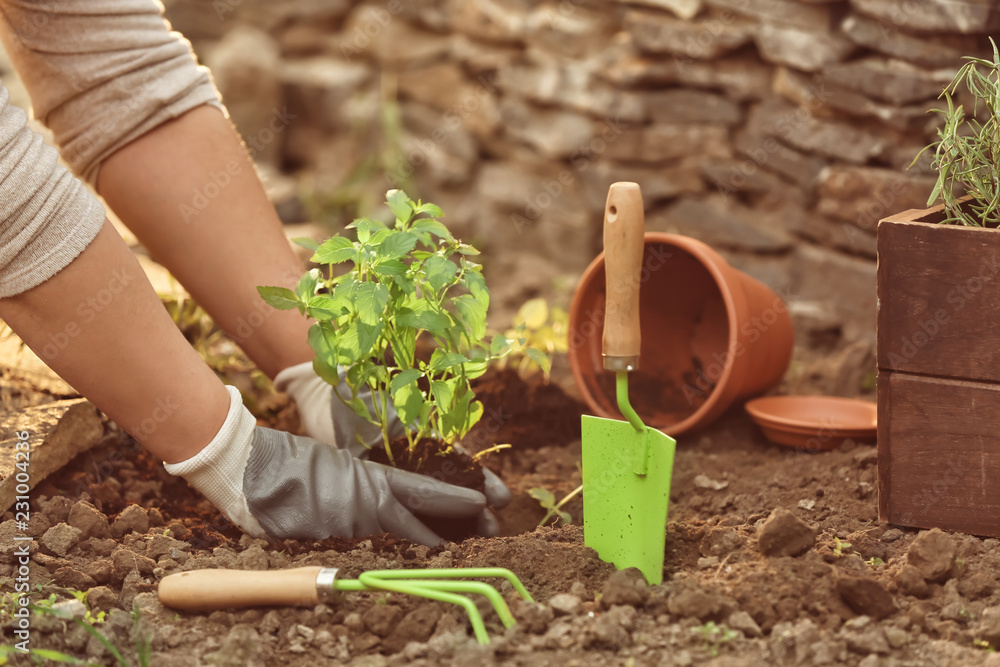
(773, 557)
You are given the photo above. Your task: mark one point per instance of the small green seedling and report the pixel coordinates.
(839, 546)
(716, 636)
(547, 500)
(408, 281)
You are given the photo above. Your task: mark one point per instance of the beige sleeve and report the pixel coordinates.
(101, 73)
(47, 216)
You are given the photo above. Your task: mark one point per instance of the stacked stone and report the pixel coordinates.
(779, 131)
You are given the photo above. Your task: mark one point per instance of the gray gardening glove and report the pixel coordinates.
(326, 418)
(273, 483)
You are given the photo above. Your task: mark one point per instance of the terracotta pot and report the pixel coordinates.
(711, 335)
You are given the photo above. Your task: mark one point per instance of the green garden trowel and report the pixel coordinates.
(626, 465)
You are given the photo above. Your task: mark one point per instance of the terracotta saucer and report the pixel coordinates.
(814, 422)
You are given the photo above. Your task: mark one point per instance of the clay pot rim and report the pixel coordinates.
(855, 413)
(711, 261)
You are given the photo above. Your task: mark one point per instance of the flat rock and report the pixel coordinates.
(780, 12)
(934, 15)
(656, 33)
(892, 81)
(865, 195)
(932, 553)
(784, 534)
(928, 50)
(554, 133)
(692, 106)
(800, 49)
(57, 432)
(722, 223)
(866, 596)
(685, 9)
(660, 141)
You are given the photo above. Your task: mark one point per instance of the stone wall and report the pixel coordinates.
(778, 131)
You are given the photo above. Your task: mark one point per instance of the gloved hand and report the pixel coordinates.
(326, 418)
(273, 483)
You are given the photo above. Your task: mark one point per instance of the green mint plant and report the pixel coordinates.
(965, 154)
(405, 281)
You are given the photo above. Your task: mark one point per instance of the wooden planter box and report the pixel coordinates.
(938, 374)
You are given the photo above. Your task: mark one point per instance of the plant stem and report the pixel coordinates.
(558, 506)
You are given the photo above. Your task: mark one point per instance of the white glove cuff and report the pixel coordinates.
(217, 470)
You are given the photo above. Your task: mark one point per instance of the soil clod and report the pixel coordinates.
(784, 534)
(866, 597)
(932, 553)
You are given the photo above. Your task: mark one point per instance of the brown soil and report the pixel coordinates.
(773, 557)
(651, 395)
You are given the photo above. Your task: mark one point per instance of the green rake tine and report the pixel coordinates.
(457, 573)
(478, 627)
(471, 587)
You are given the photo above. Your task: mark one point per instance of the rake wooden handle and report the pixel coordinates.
(209, 590)
(623, 247)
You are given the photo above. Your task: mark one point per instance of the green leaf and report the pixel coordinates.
(439, 271)
(325, 307)
(428, 226)
(545, 498)
(335, 250)
(371, 299)
(420, 315)
(399, 204)
(475, 413)
(409, 403)
(500, 346)
(475, 369)
(306, 287)
(430, 209)
(389, 267)
(357, 341)
(322, 339)
(472, 314)
(281, 298)
(306, 242)
(443, 391)
(539, 358)
(403, 378)
(396, 245)
(467, 249)
(477, 287)
(443, 360)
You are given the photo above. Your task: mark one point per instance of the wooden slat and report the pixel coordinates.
(939, 453)
(938, 295)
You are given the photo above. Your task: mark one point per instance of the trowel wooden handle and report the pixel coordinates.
(623, 247)
(208, 590)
